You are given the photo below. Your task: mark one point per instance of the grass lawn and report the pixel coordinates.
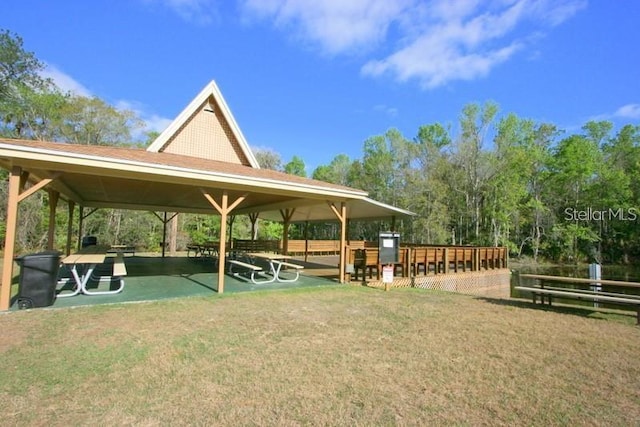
(337, 355)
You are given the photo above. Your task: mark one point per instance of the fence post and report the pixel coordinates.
(515, 278)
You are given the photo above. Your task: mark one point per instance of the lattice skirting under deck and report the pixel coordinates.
(489, 282)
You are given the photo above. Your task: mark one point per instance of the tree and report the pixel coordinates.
(575, 164)
(506, 187)
(475, 123)
(295, 167)
(91, 121)
(17, 66)
(268, 159)
(337, 172)
(427, 192)
(34, 114)
(535, 208)
(30, 105)
(619, 190)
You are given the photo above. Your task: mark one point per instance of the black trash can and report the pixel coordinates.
(89, 241)
(38, 279)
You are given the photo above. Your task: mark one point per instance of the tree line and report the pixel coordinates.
(492, 179)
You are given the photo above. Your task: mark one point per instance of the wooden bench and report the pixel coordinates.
(580, 294)
(251, 268)
(287, 265)
(366, 259)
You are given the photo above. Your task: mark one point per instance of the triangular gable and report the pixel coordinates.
(206, 129)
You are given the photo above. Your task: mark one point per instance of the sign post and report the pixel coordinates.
(389, 254)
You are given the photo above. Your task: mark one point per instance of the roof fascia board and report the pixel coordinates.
(210, 90)
(94, 163)
(398, 210)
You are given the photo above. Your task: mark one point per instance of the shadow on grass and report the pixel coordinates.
(624, 316)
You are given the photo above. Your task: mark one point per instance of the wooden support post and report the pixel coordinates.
(81, 222)
(17, 180)
(253, 217)
(306, 241)
(54, 196)
(223, 209)
(71, 206)
(342, 217)
(164, 232)
(222, 246)
(165, 220)
(10, 236)
(287, 214)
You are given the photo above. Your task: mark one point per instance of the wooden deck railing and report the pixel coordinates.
(425, 260)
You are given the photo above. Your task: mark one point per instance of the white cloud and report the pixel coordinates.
(464, 41)
(337, 26)
(626, 112)
(201, 12)
(389, 111)
(152, 121)
(433, 42)
(64, 81)
(629, 111)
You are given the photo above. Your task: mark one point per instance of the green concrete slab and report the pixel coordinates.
(154, 278)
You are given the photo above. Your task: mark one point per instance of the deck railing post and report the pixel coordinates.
(446, 260)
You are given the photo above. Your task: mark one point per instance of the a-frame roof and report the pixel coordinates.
(206, 129)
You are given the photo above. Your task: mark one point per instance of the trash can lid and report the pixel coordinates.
(43, 254)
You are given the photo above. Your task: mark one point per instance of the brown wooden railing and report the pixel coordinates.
(425, 260)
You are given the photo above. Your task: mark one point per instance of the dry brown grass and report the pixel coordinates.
(332, 356)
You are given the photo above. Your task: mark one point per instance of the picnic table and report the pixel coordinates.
(83, 265)
(203, 250)
(124, 249)
(266, 262)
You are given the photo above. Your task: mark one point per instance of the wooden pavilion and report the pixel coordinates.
(200, 164)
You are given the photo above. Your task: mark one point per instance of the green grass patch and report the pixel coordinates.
(336, 355)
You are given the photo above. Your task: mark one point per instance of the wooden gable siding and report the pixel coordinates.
(207, 135)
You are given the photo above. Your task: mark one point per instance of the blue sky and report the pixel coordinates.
(316, 78)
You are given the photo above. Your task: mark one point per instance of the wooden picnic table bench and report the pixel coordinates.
(251, 268)
(594, 295)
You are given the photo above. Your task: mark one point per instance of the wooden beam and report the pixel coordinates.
(38, 186)
(10, 236)
(164, 218)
